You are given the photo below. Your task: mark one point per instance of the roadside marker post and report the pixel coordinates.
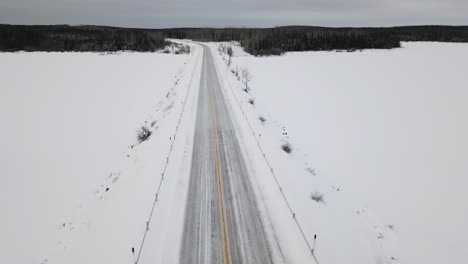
(133, 253)
(315, 240)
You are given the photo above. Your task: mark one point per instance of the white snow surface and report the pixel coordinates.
(381, 134)
(73, 189)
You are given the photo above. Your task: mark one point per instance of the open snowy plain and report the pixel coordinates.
(76, 185)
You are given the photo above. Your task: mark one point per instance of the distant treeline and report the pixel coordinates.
(431, 33)
(269, 41)
(257, 41)
(274, 41)
(78, 38)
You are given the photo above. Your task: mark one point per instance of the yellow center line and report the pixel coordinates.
(219, 180)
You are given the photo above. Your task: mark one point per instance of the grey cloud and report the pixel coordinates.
(219, 13)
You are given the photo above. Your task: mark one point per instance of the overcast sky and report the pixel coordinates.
(221, 13)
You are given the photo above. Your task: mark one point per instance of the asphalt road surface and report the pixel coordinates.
(222, 221)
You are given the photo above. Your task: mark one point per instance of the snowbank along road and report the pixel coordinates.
(222, 221)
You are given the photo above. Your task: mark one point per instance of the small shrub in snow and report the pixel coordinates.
(380, 260)
(143, 134)
(252, 101)
(311, 171)
(236, 73)
(185, 49)
(386, 260)
(286, 147)
(262, 119)
(176, 48)
(318, 197)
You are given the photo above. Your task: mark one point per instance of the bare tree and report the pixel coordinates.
(246, 78)
(229, 53)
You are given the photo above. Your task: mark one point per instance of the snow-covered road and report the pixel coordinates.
(196, 199)
(222, 221)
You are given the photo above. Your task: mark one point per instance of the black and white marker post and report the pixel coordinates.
(133, 253)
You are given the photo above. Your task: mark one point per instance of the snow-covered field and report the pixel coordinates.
(381, 134)
(73, 189)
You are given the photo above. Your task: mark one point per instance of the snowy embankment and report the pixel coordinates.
(379, 135)
(77, 187)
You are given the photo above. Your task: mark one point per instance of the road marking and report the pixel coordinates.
(219, 178)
